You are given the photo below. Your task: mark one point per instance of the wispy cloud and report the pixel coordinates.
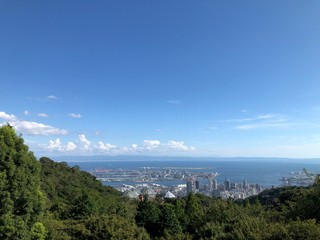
(75, 115)
(174, 101)
(261, 125)
(26, 113)
(239, 120)
(46, 98)
(261, 121)
(310, 150)
(270, 116)
(51, 97)
(265, 121)
(43, 115)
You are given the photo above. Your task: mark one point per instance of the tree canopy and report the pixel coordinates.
(21, 199)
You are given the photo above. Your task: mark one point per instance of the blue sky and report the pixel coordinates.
(178, 78)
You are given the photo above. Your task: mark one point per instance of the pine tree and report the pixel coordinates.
(168, 220)
(20, 195)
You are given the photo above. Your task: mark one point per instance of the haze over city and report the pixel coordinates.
(162, 78)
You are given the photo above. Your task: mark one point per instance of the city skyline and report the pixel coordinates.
(198, 79)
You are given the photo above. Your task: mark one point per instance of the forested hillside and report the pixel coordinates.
(43, 199)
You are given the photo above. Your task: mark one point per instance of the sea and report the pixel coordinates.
(265, 172)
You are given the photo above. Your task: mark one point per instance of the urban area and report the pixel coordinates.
(136, 182)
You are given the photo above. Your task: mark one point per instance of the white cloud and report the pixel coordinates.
(30, 128)
(54, 145)
(70, 146)
(85, 143)
(151, 144)
(105, 146)
(26, 113)
(179, 146)
(43, 115)
(84, 146)
(51, 97)
(7, 117)
(34, 128)
(74, 115)
(157, 147)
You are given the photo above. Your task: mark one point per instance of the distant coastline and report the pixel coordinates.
(102, 158)
(264, 172)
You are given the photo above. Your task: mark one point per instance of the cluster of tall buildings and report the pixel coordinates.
(226, 189)
(210, 187)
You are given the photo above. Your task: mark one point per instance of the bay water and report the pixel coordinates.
(266, 172)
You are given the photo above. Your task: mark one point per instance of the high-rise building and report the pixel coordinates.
(189, 187)
(210, 183)
(227, 184)
(197, 184)
(245, 183)
(215, 184)
(254, 190)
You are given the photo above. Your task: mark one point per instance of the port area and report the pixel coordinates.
(300, 178)
(148, 174)
(174, 182)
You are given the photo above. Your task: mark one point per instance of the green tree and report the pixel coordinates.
(38, 231)
(82, 206)
(20, 196)
(304, 230)
(168, 220)
(194, 213)
(148, 216)
(109, 227)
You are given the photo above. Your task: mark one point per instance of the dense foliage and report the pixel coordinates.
(20, 195)
(49, 200)
(79, 207)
